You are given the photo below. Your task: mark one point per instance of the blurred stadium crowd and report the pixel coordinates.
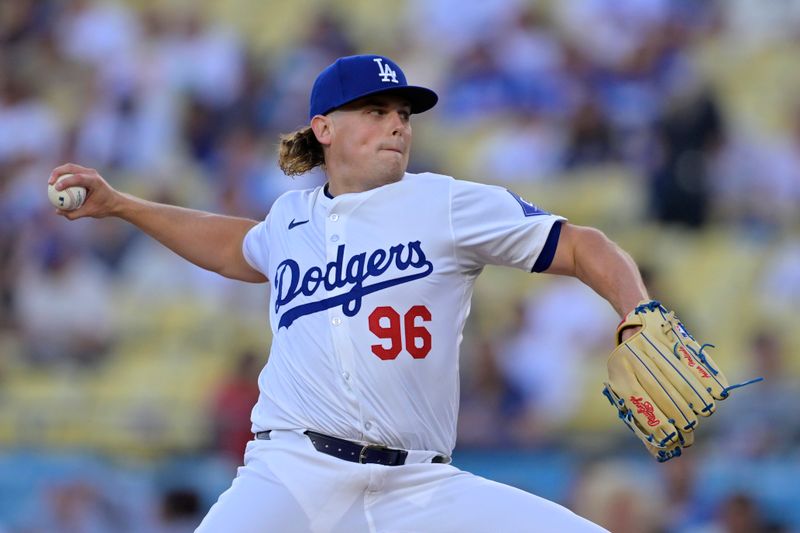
(127, 376)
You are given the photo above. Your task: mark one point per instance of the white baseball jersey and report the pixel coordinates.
(370, 293)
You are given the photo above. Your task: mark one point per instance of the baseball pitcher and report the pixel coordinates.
(371, 279)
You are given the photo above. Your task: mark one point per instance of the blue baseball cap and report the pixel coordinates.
(353, 77)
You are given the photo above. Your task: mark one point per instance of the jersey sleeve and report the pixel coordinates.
(494, 226)
(254, 247)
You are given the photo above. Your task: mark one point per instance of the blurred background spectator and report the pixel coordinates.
(231, 406)
(127, 374)
(180, 511)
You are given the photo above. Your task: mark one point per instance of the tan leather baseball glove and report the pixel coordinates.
(660, 380)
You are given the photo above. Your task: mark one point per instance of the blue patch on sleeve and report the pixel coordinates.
(528, 208)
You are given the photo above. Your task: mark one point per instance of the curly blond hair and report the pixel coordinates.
(299, 152)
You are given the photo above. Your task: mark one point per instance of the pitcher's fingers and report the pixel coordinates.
(77, 178)
(67, 168)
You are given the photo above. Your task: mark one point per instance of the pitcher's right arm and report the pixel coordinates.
(210, 241)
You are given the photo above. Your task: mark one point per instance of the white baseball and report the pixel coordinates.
(69, 199)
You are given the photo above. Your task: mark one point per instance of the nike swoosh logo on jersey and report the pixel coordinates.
(294, 224)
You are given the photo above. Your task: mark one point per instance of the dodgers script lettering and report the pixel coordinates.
(291, 283)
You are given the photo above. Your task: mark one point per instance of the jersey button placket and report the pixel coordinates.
(333, 234)
(340, 332)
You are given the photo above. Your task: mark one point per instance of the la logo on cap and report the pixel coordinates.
(385, 71)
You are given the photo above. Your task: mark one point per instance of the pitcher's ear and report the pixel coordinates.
(322, 126)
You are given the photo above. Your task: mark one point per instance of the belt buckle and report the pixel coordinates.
(362, 455)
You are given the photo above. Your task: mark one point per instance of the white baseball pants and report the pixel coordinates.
(287, 486)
